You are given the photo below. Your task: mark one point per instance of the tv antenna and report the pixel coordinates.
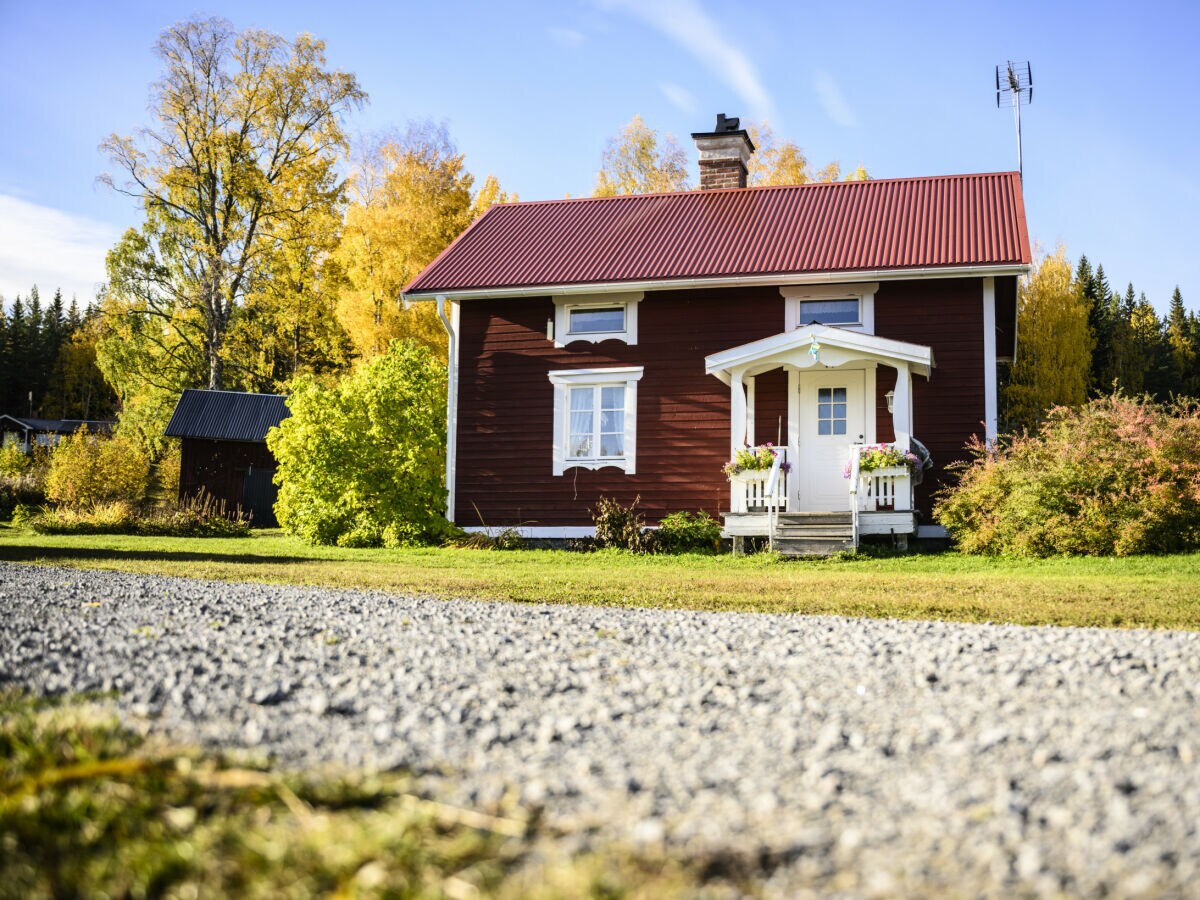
(1016, 80)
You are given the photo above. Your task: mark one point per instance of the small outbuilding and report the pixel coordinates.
(225, 453)
(30, 433)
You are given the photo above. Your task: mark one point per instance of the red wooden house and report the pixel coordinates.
(626, 346)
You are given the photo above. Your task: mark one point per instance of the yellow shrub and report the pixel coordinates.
(87, 469)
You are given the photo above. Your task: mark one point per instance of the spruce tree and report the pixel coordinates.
(5, 364)
(18, 340)
(1181, 349)
(1101, 323)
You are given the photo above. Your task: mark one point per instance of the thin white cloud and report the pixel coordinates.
(52, 249)
(680, 97)
(834, 101)
(566, 37)
(686, 23)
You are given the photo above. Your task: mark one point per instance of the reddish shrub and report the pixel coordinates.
(1117, 477)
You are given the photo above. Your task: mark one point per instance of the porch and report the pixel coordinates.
(831, 483)
(878, 502)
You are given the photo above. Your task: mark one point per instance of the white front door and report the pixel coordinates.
(832, 417)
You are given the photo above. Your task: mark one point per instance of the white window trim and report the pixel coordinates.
(627, 300)
(863, 293)
(565, 379)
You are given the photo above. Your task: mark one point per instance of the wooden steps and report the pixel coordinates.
(814, 533)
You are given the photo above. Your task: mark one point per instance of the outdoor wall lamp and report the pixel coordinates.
(890, 397)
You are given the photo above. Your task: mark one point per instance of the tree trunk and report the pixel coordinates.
(216, 373)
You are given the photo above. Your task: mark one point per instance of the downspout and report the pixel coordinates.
(450, 323)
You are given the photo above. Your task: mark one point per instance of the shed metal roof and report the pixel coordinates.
(227, 415)
(946, 221)
(60, 426)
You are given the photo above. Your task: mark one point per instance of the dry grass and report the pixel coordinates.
(89, 808)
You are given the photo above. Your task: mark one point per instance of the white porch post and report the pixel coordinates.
(751, 406)
(737, 435)
(902, 405)
(902, 425)
(990, 414)
(737, 411)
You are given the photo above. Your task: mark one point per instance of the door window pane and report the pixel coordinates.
(831, 411)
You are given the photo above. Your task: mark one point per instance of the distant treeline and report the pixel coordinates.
(1134, 348)
(48, 360)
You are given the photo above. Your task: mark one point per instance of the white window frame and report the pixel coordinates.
(793, 295)
(625, 300)
(565, 379)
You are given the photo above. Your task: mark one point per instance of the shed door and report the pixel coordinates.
(258, 496)
(832, 417)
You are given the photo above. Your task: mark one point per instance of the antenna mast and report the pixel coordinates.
(1016, 80)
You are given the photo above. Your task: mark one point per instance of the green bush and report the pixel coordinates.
(622, 527)
(682, 532)
(86, 469)
(1117, 477)
(362, 464)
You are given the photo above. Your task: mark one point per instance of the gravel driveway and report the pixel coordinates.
(864, 757)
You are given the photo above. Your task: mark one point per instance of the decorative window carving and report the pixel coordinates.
(596, 318)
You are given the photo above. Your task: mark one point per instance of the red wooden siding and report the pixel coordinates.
(948, 408)
(505, 421)
(770, 406)
(506, 407)
(220, 467)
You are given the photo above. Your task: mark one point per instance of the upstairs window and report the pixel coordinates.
(849, 306)
(596, 318)
(830, 312)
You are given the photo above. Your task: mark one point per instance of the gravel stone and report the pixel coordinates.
(852, 757)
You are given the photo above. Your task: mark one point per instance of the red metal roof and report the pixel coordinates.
(847, 226)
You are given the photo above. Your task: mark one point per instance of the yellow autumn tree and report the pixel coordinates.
(410, 197)
(246, 138)
(1055, 351)
(779, 161)
(638, 161)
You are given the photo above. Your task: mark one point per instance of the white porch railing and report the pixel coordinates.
(876, 490)
(763, 490)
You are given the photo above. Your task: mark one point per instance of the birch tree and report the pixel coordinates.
(411, 195)
(638, 161)
(245, 141)
(1055, 353)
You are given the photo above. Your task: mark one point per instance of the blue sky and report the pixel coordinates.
(532, 90)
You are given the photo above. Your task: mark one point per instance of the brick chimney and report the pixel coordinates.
(724, 154)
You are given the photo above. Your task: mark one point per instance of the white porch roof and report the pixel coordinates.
(837, 346)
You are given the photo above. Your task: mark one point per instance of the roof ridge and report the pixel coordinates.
(226, 391)
(697, 192)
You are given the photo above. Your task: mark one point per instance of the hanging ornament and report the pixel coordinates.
(814, 349)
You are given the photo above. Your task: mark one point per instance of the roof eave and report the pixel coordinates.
(674, 284)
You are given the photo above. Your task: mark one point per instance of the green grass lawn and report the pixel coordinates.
(1151, 592)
